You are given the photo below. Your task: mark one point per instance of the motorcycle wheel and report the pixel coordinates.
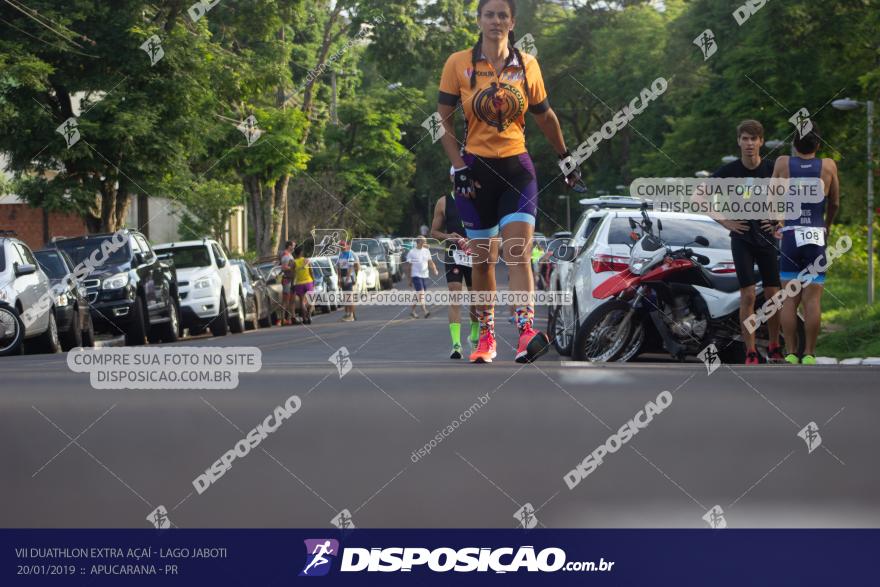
(600, 338)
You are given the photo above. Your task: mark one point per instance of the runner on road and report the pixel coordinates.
(418, 261)
(289, 314)
(349, 266)
(803, 243)
(496, 188)
(752, 242)
(303, 283)
(447, 226)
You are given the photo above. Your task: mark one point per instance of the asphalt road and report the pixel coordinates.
(73, 456)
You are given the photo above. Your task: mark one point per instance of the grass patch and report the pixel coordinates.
(850, 328)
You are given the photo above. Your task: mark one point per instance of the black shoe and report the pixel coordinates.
(456, 352)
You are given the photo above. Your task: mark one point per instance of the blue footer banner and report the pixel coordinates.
(420, 557)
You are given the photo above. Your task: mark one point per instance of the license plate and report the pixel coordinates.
(462, 258)
(809, 236)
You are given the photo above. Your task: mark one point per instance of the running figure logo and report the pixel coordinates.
(69, 131)
(249, 128)
(527, 45)
(810, 435)
(801, 121)
(434, 124)
(153, 48)
(343, 520)
(709, 356)
(526, 516)
(317, 552)
(715, 518)
(706, 43)
(342, 360)
(159, 518)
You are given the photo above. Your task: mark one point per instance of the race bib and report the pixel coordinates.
(809, 236)
(462, 258)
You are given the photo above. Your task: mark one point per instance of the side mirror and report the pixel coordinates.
(221, 262)
(24, 269)
(702, 241)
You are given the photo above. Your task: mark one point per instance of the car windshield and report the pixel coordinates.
(243, 270)
(187, 257)
(367, 245)
(323, 263)
(81, 249)
(556, 243)
(52, 263)
(677, 232)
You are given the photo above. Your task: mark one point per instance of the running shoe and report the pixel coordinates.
(792, 359)
(808, 360)
(752, 358)
(413, 314)
(532, 344)
(427, 313)
(774, 354)
(348, 318)
(456, 351)
(485, 349)
(307, 321)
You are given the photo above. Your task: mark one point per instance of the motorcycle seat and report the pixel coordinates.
(724, 282)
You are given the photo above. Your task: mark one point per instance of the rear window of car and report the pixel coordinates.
(188, 257)
(371, 246)
(677, 232)
(52, 263)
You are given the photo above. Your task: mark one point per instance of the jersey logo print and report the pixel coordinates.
(498, 108)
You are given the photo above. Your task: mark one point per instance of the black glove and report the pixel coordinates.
(464, 183)
(570, 170)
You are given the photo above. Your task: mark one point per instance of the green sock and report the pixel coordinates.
(475, 330)
(455, 333)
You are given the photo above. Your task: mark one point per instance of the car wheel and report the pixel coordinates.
(48, 342)
(220, 324)
(254, 324)
(561, 334)
(11, 332)
(88, 331)
(73, 337)
(170, 331)
(267, 321)
(236, 322)
(137, 329)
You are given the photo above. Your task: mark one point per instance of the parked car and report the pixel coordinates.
(72, 314)
(394, 251)
(368, 276)
(27, 303)
(379, 256)
(558, 277)
(257, 303)
(131, 291)
(326, 279)
(271, 271)
(211, 292)
(607, 251)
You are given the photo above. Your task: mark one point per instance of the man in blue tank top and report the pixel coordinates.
(803, 243)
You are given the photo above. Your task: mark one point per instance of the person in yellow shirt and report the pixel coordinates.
(496, 189)
(303, 283)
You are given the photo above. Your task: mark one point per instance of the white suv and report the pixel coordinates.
(27, 302)
(210, 288)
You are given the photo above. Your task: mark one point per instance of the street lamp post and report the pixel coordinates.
(848, 104)
(567, 199)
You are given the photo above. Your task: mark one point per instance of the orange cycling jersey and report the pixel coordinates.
(495, 108)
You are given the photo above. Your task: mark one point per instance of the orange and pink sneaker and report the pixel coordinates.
(532, 344)
(485, 351)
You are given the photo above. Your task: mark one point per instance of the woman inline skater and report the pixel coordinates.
(496, 191)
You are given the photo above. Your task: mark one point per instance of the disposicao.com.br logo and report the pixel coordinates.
(442, 560)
